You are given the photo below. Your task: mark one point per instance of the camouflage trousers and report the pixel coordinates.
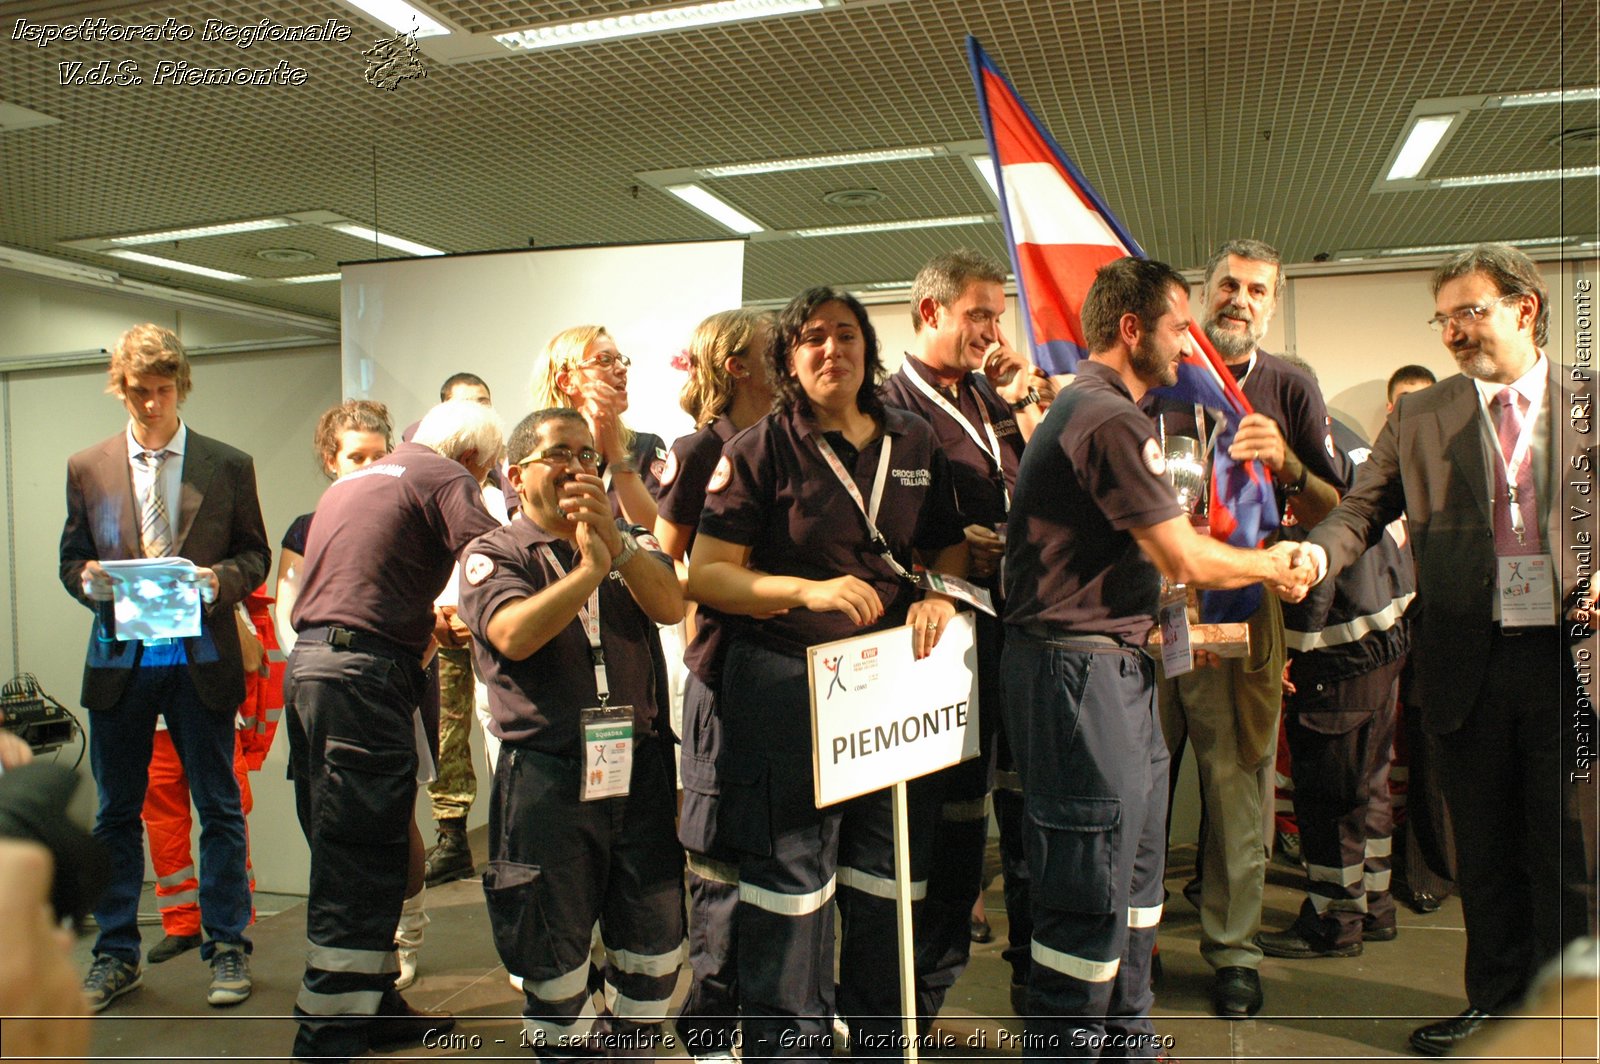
(456, 784)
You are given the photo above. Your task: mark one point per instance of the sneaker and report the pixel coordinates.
(230, 975)
(108, 979)
(171, 946)
(407, 956)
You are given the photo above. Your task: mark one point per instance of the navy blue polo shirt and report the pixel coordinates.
(535, 703)
(1092, 472)
(773, 492)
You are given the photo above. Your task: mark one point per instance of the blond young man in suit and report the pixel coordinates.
(159, 490)
(1488, 466)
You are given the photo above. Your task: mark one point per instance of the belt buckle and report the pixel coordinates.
(343, 638)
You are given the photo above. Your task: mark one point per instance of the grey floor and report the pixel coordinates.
(1359, 1008)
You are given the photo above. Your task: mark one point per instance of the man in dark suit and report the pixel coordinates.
(1492, 467)
(159, 490)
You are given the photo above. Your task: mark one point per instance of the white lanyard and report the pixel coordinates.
(1519, 455)
(870, 513)
(590, 617)
(992, 448)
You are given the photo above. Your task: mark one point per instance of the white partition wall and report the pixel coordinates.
(410, 323)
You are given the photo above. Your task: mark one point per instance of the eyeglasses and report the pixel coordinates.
(1467, 315)
(606, 360)
(562, 455)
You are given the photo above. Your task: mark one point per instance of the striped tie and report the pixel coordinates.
(155, 528)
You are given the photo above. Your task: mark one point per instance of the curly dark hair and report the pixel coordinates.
(786, 391)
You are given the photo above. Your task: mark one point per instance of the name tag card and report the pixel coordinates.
(1172, 618)
(959, 589)
(1527, 589)
(607, 752)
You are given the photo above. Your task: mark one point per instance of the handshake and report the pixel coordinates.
(1294, 569)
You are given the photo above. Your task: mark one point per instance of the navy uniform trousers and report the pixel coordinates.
(794, 860)
(1341, 740)
(558, 868)
(353, 757)
(1081, 716)
(708, 1020)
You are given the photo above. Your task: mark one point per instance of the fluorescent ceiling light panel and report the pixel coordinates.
(890, 227)
(308, 278)
(1551, 96)
(716, 208)
(1434, 249)
(401, 16)
(194, 232)
(388, 240)
(985, 165)
(1424, 138)
(659, 20)
(182, 267)
(1515, 177)
(822, 162)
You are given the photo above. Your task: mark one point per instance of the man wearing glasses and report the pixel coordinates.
(563, 609)
(1488, 467)
(384, 542)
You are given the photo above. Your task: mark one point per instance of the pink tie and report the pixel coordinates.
(1509, 427)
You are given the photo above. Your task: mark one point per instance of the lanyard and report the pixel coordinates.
(1519, 455)
(992, 448)
(870, 513)
(590, 617)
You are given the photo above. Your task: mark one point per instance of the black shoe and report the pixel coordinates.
(1437, 1039)
(450, 858)
(1294, 945)
(981, 932)
(1236, 994)
(170, 947)
(1379, 934)
(388, 1029)
(1424, 903)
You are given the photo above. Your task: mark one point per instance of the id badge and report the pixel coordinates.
(607, 752)
(1172, 615)
(1527, 589)
(961, 590)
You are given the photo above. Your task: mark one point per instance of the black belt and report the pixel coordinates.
(1090, 641)
(363, 642)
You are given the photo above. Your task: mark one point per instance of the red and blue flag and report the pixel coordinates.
(1059, 232)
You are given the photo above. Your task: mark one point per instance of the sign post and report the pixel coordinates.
(880, 718)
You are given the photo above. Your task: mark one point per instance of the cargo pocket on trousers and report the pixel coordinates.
(1075, 849)
(369, 794)
(516, 917)
(744, 810)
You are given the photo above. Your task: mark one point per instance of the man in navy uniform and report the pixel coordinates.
(983, 401)
(563, 609)
(1094, 524)
(382, 546)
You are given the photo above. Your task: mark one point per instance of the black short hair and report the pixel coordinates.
(526, 435)
(1126, 286)
(1512, 272)
(1407, 374)
(786, 391)
(454, 379)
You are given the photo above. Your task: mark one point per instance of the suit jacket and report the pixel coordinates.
(217, 525)
(1430, 463)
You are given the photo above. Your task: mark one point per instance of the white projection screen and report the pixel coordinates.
(409, 323)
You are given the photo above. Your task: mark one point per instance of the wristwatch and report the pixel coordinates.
(1300, 482)
(630, 547)
(1028, 399)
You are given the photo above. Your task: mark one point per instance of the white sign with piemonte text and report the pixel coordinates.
(879, 717)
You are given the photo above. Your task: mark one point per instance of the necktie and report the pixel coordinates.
(1508, 426)
(155, 527)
